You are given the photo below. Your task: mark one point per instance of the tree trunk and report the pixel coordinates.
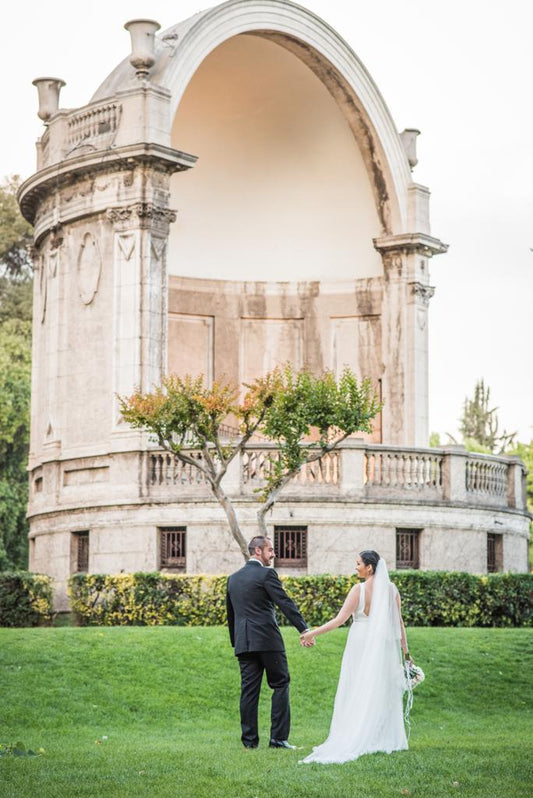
(228, 508)
(268, 504)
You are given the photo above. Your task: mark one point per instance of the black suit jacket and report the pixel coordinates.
(252, 593)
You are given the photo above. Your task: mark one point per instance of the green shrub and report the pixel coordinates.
(429, 598)
(148, 599)
(25, 598)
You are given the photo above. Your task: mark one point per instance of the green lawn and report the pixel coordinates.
(154, 712)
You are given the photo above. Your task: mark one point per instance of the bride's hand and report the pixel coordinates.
(307, 639)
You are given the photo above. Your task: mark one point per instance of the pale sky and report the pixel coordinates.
(460, 71)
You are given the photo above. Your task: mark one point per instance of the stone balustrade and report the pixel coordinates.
(93, 122)
(360, 472)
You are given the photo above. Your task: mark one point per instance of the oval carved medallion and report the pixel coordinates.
(89, 268)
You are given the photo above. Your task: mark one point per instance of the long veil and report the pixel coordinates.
(368, 711)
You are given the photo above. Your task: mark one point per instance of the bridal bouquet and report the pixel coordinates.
(413, 674)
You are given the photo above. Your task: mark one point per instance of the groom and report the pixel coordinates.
(252, 593)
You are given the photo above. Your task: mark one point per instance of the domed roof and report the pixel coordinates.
(182, 48)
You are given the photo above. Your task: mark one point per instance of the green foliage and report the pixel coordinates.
(441, 598)
(305, 415)
(429, 598)
(148, 599)
(310, 415)
(181, 412)
(15, 232)
(479, 424)
(16, 298)
(15, 386)
(25, 599)
(434, 440)
(15, 368)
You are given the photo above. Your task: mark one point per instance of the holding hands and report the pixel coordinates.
(307, 639)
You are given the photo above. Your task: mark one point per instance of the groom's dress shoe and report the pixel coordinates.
(250, 745)
(281, 744)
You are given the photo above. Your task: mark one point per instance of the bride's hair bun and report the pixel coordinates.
(370, 557)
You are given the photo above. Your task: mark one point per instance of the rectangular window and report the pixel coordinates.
(494, 553)
(290, 545)
(172, 540)
(80, 552)
(408, 548)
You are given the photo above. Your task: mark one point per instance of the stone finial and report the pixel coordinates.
(48, 89)
(408, 137)
(142, 32)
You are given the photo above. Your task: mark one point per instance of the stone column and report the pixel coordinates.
(394, 351)
(139, 298)
(406, 297)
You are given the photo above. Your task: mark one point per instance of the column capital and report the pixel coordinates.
(142, 214)
(407, 243)
(422, 292)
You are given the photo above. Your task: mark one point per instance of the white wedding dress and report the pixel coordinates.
(368, 710)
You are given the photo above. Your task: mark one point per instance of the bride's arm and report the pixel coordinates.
(403, 636)
(351, 602)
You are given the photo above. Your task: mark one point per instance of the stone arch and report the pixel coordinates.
(183, 47)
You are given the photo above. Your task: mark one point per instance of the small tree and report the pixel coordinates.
(16, 235)
(15, 367)
(306, 416)
(479, 423)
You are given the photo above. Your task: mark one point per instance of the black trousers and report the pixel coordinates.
(253, 664)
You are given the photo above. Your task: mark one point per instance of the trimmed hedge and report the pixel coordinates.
(429, 598)
(148, 599)
(25, 599)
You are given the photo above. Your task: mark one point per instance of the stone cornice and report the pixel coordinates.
(410, 242)
(33, 190)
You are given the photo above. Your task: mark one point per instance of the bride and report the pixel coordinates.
(368, 710)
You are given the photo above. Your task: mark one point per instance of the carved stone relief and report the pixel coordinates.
(158, 247)
(126, 242)
(422, 292)
(149, 214)
(43, 287)
(89, 268)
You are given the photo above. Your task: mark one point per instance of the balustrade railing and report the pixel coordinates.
(258, 463)
(363, 471)
(93, 122)
(406, 469)
(166, 470)
(486, 477)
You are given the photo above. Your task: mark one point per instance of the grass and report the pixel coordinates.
(154, 712)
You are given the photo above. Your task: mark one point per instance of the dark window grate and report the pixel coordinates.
(290, 545)
(494, 553)
(407, 548)
(172, 547)
(82, 552)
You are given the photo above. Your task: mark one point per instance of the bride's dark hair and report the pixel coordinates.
(370, 557)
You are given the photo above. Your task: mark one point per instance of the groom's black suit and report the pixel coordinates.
(252, 593)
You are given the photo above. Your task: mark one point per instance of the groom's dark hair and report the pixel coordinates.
(259, 542)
